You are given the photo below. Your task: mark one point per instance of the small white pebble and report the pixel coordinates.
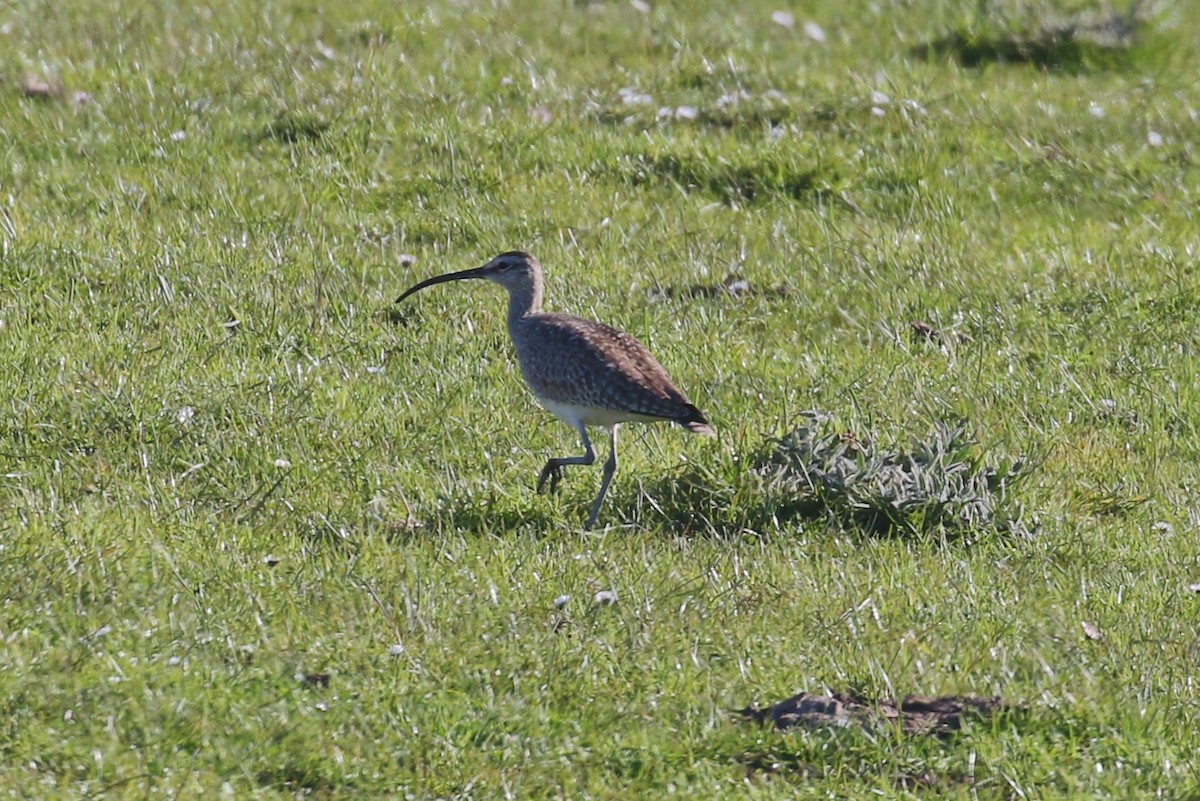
(396, 650)
(877, 111)
(374, 369)
(185, 414)
(815, 32)
(732, 99)
(913, 105)
(879, 98)
(630, 96)
(604, 598)
(282, 464)
(640, 6)
(507, 80)
(1095, 109)
(178, 136)
(561, 601)
(1154, 139)
(783, 18)
(686, 113)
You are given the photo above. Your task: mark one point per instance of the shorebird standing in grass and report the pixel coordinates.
(585, 373)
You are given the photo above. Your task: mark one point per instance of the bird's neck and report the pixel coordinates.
(522, 302)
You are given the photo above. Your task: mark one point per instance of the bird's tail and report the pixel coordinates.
(695, 422)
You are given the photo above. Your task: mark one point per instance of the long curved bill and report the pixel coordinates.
(476, 272)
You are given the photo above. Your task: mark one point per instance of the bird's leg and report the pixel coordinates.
(553, 468)
(610, 467)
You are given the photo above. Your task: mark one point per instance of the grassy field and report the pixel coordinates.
(264, 536)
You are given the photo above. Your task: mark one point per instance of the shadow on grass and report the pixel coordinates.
(1084, 42)
(691, 502)
(1052, 51)
(484, 514)
(735, 177)
(292, 128)
(913, 779)
(912, 774)
(295, 776)
(747, 182)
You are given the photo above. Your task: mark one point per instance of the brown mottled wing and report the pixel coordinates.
(567, 359)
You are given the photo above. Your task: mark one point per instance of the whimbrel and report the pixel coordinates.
(585, 373)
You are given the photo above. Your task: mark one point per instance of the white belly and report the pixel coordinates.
(573, 415)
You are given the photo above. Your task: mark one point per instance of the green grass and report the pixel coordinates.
(229, 464)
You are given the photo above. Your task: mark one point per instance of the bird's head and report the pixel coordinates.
(515, 270)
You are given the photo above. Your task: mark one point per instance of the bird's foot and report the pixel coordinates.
(552, 472)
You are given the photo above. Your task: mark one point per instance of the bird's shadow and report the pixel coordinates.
(692, 502)
(684, 504)
(522, 512)
(525, 516)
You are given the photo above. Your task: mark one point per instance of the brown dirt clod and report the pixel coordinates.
(916, 714)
